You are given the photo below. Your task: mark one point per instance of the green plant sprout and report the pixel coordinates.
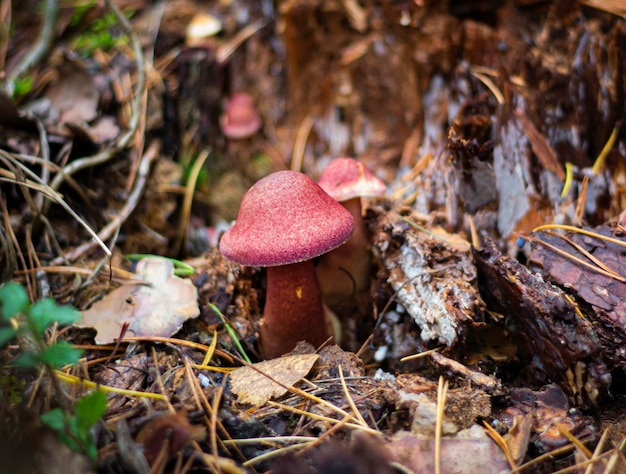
(231, 332)
(98, 35)
(75, 431)
(21, 86)
(180, 268)
(27, 322)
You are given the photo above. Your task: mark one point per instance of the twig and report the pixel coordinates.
(40, 48)
(124, 139)
(17, 176)
(132, 201)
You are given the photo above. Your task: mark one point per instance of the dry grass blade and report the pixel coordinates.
(577, 260)
(615, 7)
(598, 450)
(585, 253)
(499, 440)
(180, 342)
(582, 200)
(327, 419)
(300, 142)
(555, 453)
(617, 457)
(7, 244)
(578, 230)
(225, 50)
(133, 199)
(119, 274)
(598, 165)
(355, 410)
(327, 434)
(211, 350)
(497, 93)
(159, 380)
(275, 453)
(421, 354)
(185, 213)
(213, 422)
(488, 71)
(105, 388)
(38, 185)
(575, 441)
(442, 391)
(474, 233)
(270, 440)
(589, 464)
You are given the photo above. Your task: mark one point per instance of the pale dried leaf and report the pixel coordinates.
(157, 309)
(73, 96)
(253, 387)
(469, 452)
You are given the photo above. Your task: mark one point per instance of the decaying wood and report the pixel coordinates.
(553, 333)
(431, 271)
(603, 296)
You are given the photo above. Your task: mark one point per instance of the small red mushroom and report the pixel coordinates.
(285, 220)
(240, 120)
(345, 272)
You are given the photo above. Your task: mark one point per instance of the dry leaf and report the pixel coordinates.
(170, 429)
(470, 451)
(252, 387)
(157, 309)
(74, 96)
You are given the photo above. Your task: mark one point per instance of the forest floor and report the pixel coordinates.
(491, 335)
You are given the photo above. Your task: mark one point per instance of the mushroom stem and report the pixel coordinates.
(345, 271)
(293, 309)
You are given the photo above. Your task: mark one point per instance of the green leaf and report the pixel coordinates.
(54, 419)
(91, 450)
(6, 334)
(69, 441)
(13, 299)
(89, 410)
(59, 354)
(27, 360)
(45, 312)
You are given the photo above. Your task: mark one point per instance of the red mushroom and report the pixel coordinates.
(345, 272)
(240, 120)
(285, 220)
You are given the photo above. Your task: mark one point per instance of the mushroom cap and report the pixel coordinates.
(203, 25)
(285, 218)
(347, 178)
(240, 120)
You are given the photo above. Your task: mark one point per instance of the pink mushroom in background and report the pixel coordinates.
(285, 220)
(240, 119)
(345, 272)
